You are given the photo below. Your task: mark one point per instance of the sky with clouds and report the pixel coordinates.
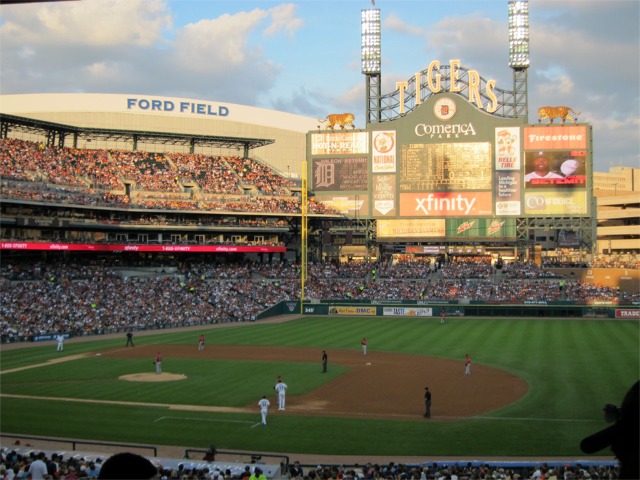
(303, 57)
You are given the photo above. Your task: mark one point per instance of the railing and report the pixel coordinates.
(75, 443)
(255, 457)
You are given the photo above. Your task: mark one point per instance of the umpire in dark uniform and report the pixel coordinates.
(427, 402)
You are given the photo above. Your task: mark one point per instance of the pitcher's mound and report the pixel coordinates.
(153, 377)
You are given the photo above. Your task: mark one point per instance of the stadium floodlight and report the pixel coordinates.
(370, 23)
(519, 34)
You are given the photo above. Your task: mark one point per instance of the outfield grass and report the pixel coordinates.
(573, 367)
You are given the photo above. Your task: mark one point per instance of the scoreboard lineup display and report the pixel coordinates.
(445, 166)
(450, 168)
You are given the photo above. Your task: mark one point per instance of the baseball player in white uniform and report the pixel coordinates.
(264, 409)
(60, 339)
(281, 388)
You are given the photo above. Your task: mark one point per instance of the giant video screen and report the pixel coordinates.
(557, 170)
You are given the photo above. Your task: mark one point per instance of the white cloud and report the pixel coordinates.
(217, 43)
(102, 72)
(283, 19)
(557, 86)
(396, 24)
(93, 22)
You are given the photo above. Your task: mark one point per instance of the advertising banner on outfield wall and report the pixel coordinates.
(407, 312)
(353, 311)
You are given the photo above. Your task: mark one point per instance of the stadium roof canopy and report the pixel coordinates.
(56, 133)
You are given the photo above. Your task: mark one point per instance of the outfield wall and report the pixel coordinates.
(454, 308)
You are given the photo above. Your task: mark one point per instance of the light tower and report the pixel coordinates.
(370, 23)
(519, 55)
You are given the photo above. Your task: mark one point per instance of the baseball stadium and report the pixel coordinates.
(167, 262)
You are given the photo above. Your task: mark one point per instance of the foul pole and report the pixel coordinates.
(304, 232)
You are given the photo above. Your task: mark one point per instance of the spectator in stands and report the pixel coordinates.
(106, 302)
(257, 474)
(38, 468)
(296, 471)
(97, 177)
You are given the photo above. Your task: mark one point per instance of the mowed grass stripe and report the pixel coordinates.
(613, 352)
(208, 382)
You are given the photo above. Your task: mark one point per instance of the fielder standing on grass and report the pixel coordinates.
(264, 409)
(281, 388)
(60, 339)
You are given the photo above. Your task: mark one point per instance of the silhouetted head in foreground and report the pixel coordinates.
(623, 436)
(127, 466)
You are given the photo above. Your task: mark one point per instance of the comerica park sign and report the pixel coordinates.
(432, 78)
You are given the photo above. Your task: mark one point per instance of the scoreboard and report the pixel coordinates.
(450, 169)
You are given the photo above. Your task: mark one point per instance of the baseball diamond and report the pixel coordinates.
(375, 402)
(402, 376)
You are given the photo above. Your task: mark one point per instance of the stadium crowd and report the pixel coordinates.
(34, 465)
(33, 171)
(92, 298)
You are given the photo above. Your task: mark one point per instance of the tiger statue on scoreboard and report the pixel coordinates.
(556, 112)
(342, 119)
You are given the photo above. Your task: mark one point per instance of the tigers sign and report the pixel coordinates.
(433, 79)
